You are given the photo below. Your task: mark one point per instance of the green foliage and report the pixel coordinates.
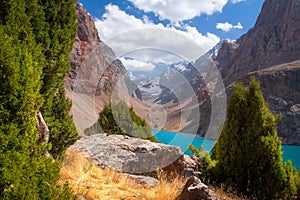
(297, 182)
(205, 161)
(56, 34)
(248, 151)
(117, 118)
(290, 182)
(28, 46)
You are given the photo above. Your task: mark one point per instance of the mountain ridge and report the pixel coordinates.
(95, 73)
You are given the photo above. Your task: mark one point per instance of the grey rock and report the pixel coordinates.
(194, 189)
(191, 166)
(188, 172)
(143, 180)
(132, 155)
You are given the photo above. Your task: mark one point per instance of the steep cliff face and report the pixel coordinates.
(270, 51)
(95, 73)
(281, 88)
(275, 39)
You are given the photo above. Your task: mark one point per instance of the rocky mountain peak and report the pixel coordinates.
(87, 31)
(275, 39)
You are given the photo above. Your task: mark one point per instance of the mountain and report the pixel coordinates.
(274, 40)
(270, 51)
(95, 75)
(149, 87)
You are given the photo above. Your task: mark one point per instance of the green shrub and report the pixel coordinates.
(118, 118)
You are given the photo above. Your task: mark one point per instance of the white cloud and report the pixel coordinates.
(135, 65)
(175, 10)
(126, 34)
(237, 1)
(227, 26)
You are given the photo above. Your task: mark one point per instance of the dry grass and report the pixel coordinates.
(225, 195)
(92, 182)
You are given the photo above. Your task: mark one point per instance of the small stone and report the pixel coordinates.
(137, 195)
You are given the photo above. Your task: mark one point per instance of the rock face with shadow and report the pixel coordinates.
(95, 73)
(281, 88)
(274, 40)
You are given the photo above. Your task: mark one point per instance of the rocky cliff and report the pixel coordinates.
(269, 51)
(95, 73)
(281, 88)
(274, 39)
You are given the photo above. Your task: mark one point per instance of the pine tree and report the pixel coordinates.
(248, 152)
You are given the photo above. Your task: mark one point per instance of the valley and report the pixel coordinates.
(160, 99)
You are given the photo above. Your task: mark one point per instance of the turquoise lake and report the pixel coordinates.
(183, 141)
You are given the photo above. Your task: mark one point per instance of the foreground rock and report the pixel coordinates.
(137, 156)
(130, 155)
(194, 189)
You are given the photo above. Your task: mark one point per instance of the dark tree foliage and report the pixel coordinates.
(248, 151)
(118, 118)
(28, 47)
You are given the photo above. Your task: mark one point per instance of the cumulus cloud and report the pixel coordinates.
(175, 10)
(127, 34)
(227, 26)
(135, 65)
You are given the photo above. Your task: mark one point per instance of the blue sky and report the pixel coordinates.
(146, 32)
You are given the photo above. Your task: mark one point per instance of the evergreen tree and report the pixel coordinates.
(57, 34)
(118, 119)
(25, 41)
(52, 26)
(248, 152)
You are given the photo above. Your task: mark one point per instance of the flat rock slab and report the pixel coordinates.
(127, 154)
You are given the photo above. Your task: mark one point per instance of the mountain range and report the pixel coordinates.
(270, 51)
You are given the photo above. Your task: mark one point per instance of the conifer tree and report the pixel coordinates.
(25, 173)
(57, 37)
(248, 152)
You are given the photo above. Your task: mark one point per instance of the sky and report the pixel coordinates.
(148, 33)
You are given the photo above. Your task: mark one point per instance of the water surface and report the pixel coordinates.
(183, 140)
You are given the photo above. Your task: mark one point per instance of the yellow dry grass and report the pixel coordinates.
(92, 182)
(225, 195)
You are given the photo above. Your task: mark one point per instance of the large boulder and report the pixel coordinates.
(130, 155)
